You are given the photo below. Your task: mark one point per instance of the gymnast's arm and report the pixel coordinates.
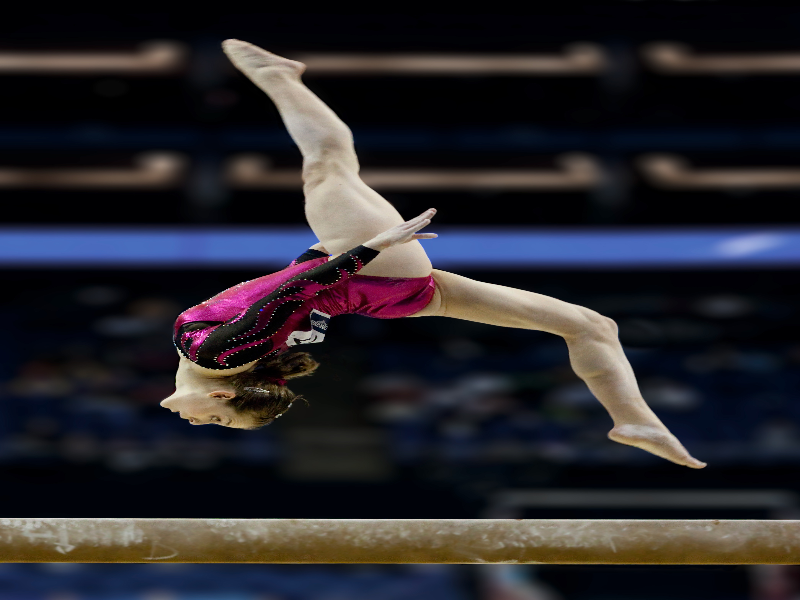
(256, 325)
(316, 251)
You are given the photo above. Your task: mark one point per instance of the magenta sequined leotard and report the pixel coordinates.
(268, 315)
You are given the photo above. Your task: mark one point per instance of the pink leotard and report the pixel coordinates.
(268, 315)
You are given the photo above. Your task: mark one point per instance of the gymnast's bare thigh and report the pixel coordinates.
(435, 307)
(344, 212)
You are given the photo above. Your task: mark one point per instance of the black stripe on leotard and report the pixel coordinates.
(258, 326)
(309, 254)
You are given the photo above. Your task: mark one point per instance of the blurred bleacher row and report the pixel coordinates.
(173, 57)
(573, 172)
(90, 363)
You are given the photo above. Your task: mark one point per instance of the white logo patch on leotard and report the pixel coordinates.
(319, 325)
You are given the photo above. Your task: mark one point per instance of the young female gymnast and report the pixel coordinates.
(233, 362)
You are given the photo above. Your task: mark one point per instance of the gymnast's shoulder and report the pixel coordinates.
(187, 364)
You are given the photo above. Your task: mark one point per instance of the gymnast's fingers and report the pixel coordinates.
(421, 221)
(420, 224)
(426, 216)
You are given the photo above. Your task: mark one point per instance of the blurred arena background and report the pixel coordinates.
(638, 158)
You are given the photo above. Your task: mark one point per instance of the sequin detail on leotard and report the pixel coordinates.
(235, 328)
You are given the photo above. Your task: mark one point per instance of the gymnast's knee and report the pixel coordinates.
(329, 164)
(596, 324)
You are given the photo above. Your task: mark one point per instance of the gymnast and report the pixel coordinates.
(233, 347)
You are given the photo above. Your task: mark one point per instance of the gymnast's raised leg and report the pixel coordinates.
(341, 209)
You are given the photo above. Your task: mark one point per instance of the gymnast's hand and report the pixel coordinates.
(403, 233)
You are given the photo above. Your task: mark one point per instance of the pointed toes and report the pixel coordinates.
(231, 43)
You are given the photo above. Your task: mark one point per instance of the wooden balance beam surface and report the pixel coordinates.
(554, 541)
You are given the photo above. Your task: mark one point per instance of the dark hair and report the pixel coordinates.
(262, 399)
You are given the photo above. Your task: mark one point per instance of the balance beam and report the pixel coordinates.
(458, 541)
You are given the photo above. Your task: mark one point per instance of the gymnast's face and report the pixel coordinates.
(209, 408)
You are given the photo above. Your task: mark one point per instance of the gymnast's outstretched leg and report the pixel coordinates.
(341, 209)
(595, 353)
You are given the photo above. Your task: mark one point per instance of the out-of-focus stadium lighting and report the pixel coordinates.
(581, 58)
(673, 58)
(670, 171)
(155, 57)
(577, 172)
(152, 170)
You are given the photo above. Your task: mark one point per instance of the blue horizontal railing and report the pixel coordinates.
(456, 247)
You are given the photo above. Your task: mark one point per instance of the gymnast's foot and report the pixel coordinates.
(254, 61)
(657, 440)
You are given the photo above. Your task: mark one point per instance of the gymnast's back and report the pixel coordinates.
(268, 315)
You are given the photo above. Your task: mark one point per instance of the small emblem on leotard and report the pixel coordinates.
(319, 325)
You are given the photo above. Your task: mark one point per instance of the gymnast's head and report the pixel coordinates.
(247, 400)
